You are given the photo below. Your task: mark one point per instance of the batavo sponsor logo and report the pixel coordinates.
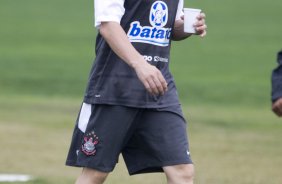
(155, 34)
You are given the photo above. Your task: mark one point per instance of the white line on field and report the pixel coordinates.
(14, 178)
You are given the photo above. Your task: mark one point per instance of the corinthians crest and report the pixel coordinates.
(90, 141)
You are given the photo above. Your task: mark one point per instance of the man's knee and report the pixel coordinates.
(91, 176)
(180, 174)
(187, 173)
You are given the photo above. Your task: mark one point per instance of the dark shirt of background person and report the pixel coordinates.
(276, 94)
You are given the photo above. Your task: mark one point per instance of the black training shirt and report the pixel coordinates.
(148, 25)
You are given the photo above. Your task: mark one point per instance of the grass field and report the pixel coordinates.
(46, 50)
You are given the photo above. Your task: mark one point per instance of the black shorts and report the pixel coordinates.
(148, 139)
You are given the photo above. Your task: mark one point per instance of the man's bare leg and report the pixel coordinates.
(179, 174)
(91, 176)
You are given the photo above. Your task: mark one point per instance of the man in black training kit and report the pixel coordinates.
(131, 104)
(277, 87)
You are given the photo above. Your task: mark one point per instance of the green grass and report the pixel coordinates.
(46, 51)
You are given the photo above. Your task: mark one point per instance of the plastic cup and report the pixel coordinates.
(190, 18)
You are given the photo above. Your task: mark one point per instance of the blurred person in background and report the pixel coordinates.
(131, 104)
(277, 87)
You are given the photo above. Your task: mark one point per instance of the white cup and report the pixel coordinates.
(190, 18)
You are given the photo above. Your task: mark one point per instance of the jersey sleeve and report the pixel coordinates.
(108, 10)
(179, 12)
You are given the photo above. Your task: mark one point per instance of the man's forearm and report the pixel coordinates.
(118, 41)
(178, 31)
(178, 35)
(149, 75)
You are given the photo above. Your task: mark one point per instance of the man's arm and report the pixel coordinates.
(178, 30)
(149, 75)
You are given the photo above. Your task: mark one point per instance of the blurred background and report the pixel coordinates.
(47, 49)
